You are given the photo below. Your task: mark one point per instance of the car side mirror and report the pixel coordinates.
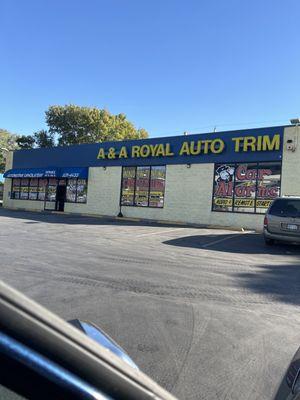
(99, 336)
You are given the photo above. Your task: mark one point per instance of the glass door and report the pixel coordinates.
(50, 195)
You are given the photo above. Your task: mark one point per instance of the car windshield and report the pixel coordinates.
(286, 208)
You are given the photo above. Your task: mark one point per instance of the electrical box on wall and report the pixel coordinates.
(291, 144)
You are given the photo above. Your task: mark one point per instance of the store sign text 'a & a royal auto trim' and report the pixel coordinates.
(193, 147)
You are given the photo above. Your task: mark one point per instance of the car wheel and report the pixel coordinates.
(269, 242)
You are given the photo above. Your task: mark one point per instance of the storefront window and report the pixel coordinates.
(71, 190)
(246, 187)
(157, 186)
(223, 187)
(42, 189)
(128, 183)
(51, 190)
(268, 185)
(15, 191)
(33, 188)
(81, 191)
(143, 186)
(24, 190)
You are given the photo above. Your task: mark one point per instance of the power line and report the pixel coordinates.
(220, 125)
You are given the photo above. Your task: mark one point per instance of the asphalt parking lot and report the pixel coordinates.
(209, 314)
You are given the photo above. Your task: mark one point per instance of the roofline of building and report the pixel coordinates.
(164, 137)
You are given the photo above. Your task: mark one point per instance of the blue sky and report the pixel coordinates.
(169, 65)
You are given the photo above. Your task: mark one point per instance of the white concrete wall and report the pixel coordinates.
(103, 193)
(188, 198)
(290, 178)
(188, 193)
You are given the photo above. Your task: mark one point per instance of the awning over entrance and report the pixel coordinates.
(31, 173)
(70, 172)
(74, 172)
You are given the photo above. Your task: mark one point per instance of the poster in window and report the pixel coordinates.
(42, 189)
(81, 190)
(268, 185)
(16, 189)
(157, 186)
(245, 188)
(128, 182)
(24, 189)
(33, 193)
(71, 190)
(142, 186)
(51, 193)
(33, 188)
(223, 187)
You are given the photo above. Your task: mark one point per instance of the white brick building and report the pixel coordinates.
(226, 179)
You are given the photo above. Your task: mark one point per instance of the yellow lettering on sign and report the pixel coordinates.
(135, 151)
(206, 144)
(184, 149)
(160, 150)
(111, 153)
(267, 144)
(217, 146)
(123, 152)
(153, 149)
(101, 154)
(195, 150)
(145, 150)
(258, 143)
(249, 143)
(237, 141)
(168, 150)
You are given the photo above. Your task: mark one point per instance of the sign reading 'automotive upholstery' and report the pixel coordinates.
(253, 145)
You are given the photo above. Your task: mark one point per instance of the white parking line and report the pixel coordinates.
(220, 240)
(159, 232)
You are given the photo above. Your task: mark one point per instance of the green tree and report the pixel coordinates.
(72, 124)
(40, 138)
(26, 142)
(8, 142)
(44, 138)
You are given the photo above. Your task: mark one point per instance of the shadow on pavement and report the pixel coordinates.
(280, 282)
(244, 243)
(32, 217)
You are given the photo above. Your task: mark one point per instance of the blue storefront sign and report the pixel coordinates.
(263, 144)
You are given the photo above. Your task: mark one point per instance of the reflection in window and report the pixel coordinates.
(143, 186)
(24, 190)
(245, 187)
(42, 189)
(15, 191)
(128, 183)
(51, 189)
(71, 190)
(81, 191)
(157, 186)
(33, 188)
(268, 185)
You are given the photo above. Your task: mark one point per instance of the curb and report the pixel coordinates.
(149, 221)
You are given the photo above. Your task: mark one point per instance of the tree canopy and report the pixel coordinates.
(8, 141)
(72, 124)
